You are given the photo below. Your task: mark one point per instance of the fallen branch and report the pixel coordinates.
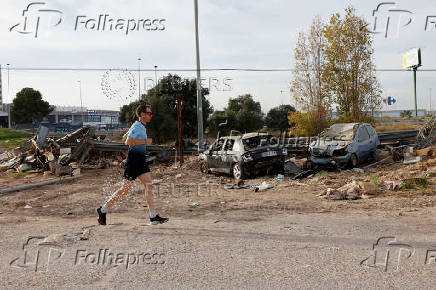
(29, 186)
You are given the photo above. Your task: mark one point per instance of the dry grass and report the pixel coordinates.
(396, 127)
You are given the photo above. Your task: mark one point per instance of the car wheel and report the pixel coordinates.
(238, 171)
(203, 167)
(353, 161)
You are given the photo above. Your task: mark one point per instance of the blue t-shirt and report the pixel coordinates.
(137, 131)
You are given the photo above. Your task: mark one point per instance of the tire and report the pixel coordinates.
(238, 172)
(203, 168)
(353, 161)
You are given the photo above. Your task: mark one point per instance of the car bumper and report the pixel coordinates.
(259, 164)
(335, 161)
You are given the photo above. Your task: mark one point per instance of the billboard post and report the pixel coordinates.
(412, 60)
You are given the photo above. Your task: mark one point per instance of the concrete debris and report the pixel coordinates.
(358, 170)
(392, 185)
(85, 235)
(351, 191)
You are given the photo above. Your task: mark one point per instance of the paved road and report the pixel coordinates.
(235, 250)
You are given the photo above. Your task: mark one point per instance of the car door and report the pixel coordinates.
(214, 154)
(228, 156)
(363, 143)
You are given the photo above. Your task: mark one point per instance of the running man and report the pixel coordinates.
(136, 167)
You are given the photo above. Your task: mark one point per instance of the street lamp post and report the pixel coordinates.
(139, 78)
(81, 105)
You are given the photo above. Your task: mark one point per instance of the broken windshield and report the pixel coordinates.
(258, 141)
(339, 132)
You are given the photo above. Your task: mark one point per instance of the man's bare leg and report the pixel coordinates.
(125, 188)
(147, 182)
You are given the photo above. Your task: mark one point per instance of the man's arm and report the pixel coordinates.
(124, 138)
(132, 142)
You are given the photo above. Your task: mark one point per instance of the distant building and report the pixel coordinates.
(74, 116)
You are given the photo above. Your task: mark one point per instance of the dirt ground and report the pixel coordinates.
(221, 238)
(185, 192)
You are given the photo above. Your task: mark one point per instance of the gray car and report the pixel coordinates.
(243, 155)
(343, 145)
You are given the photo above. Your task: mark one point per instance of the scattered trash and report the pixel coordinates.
(24, 167)
(263, 186)
(27, 206)
(179, 175)
(193, 204)
(412, 160)
(279, 177)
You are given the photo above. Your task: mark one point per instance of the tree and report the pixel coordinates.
(349, 73)
(163, 100)
(242, 114)
(277, 118)
(245, 114)
(307, 86)
(28, 106)
(406, 114)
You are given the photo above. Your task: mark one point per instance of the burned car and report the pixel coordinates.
(243, 155)
(343, 145)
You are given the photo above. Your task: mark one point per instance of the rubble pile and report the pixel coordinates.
(63, 156)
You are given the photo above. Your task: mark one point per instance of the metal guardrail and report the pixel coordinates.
(302, 143)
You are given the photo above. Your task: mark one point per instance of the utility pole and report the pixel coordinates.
(81, 105)
(281, 96)
(180, 130)
(199, 97)
(431, 108)
(9, 106)
(139, 78)
(155, 75)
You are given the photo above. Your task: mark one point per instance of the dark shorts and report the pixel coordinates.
(135, 165)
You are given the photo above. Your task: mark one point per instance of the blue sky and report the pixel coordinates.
(233, 34)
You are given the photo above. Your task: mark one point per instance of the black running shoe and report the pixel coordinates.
(158, 220)
(101, 216)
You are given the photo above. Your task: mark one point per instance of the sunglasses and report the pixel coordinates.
(149, 113)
